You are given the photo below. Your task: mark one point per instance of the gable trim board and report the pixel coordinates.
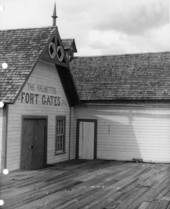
(68, 85)
(57, 40)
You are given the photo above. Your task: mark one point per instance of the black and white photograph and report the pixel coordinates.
(85, 104)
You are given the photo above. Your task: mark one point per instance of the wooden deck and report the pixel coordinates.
(89, 184)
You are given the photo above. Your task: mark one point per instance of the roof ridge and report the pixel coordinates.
(14, 29)
(130, 54)
(141, 77)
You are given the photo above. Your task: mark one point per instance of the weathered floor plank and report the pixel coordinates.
(95, 184)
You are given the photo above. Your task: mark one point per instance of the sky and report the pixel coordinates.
(99, 27)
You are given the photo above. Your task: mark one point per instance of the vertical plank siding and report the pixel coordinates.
(73, 134)
(125, 133)
(44, 74)
(1, 129)
(3, 113)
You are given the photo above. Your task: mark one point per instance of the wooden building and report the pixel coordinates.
(37, 90)
(124, 105)
(57, 107)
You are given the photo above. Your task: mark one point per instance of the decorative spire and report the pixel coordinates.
(54, 15)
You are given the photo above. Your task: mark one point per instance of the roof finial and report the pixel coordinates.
(54, 15)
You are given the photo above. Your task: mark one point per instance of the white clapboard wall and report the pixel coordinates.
(44, 75)
(126, 133)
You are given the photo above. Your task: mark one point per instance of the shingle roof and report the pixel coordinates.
(69, 44)
(119, 77)
(122, 77)
(20, 49)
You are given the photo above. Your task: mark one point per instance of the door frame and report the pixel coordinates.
(95, 136)
(36, 117)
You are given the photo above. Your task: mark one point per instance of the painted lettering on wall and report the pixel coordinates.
(30, 98)
(40, 94)
(41, 88)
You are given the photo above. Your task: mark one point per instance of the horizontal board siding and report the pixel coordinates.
(125, 133)
(43, 74)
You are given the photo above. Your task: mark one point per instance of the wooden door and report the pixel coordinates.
(38, 144)
(33, 151)
(86, 140)
(27, 142)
